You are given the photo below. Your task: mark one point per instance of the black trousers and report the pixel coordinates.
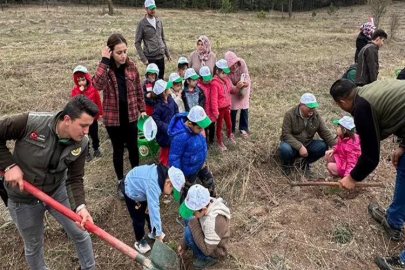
(3, 192)
(120, 135)
(161, 65)
(93, 132)
(206, 178)
(137, 211)
(210, 132)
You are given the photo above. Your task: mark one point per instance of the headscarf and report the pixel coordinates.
(368, 29)
(206, 53)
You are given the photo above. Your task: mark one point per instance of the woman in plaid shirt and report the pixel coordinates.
(118, 78)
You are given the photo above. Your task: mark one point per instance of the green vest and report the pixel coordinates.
(387, 99)
(33, 155)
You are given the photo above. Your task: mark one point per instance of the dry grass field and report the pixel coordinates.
(273, 225)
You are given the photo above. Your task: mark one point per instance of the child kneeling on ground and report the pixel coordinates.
(142, 188)
(207, 232)
(343, 156)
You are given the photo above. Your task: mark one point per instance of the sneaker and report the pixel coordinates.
(97, 153)
(203, 263)
(232, 139)
(222, 146)
(181, 221)
(152, 236)
(119, 191)
(142, 246)
(389, 263)
(244, 134)
(88, 157)
(379, 215)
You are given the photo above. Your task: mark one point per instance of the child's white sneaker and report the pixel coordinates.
(222, 146)
(153, 236)
(232, 139)
(142, 246)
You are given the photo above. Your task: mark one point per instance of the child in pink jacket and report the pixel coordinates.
(223, 87)
(211, 101)
(343, 156)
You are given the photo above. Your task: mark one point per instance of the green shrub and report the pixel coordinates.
(261, 14)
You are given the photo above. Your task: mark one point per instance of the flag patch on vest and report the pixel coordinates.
(37, 137)
(76, 152)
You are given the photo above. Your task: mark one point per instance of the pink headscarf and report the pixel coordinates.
(206, 53)
(368, 29)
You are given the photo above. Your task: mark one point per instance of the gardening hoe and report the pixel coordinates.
(162, 256)
(333, 184)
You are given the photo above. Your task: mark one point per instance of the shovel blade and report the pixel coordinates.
(163, 257)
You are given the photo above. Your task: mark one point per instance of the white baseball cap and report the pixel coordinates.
(152, 68)
(309, 100)
(205, 73)
(150, 4)
(346, 121)
(81, 69)
(182, 60)
(177, 178)
(198, 115)
(191, 74)
(160, 86)
(174, 77)
(197, 198)
(222, 64)
(149, 129)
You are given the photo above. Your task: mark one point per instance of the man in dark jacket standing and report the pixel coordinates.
(367, 67)
(50, 153)
(378, 110)
(150, 31)
(297, 139)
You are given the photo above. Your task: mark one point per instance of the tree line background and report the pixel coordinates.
(265, 5)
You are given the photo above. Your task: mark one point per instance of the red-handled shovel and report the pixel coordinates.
(124, 248)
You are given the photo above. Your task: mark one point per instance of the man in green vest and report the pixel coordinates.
(50, 152)
(379, 111)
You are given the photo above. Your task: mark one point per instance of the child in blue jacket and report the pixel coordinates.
(142, 188)
(164, 110)
(188, 148)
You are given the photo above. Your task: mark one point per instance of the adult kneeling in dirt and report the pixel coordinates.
(297, 138)
(378, 111)
(50, 153)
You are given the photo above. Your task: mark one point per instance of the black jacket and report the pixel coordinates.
(401, 75)
(361, 41)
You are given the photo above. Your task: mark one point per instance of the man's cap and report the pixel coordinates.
(346, 121)
(150, 4)
(198, 115)
(191, 74)
(222, 64)
(177, 178)
(197, 198)
(182, 60)
(160, 86)
(309, 100)
(81, 69)
(205, 73)
(149, 128)
(152, 68)
(175, 78)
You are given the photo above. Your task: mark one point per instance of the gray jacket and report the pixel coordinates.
(367, 65)
(154, 44)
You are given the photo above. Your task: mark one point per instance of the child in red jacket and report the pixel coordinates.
(83, 86)
(343, 156)
(223, 87)
(211, 101)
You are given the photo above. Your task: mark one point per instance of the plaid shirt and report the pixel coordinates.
(105, 81)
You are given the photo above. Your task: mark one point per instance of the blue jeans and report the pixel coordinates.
(243, 120)
(188, 237)
(316, 149)
(29, 219)
(396, 210)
